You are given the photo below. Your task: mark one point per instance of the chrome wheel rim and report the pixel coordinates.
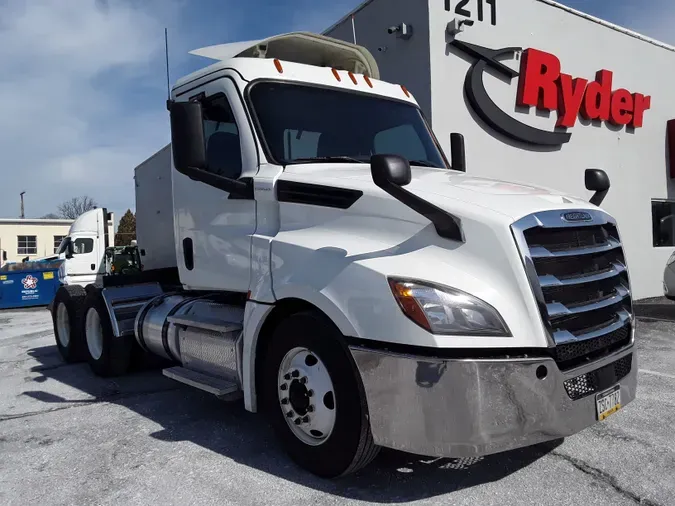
(94, 332)
(306, 396)
(62, 325)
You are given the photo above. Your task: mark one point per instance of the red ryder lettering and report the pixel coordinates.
(543, 85)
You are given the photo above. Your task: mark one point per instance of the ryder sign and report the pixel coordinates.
(543, 85)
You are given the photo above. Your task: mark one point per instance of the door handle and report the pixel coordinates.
(93, 267)
(188, 254)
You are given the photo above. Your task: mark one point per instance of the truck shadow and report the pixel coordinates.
(226, 428)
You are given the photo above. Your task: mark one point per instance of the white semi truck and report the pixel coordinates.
(82, 251)
(327, 263)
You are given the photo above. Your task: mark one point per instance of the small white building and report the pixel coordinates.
(542, 92)
(32, 238)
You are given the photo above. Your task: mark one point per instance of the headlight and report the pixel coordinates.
(671, 259)
(447, 311)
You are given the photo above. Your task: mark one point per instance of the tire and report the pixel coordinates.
(349, 446)
(67, 311)
(107, 355)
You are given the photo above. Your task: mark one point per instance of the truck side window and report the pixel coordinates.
(82, 246)
(223, 150)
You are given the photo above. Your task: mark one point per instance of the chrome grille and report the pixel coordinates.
(600, 379)
(578, 275)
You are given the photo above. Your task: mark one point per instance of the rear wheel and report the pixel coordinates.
(314, 398)
(67, 310)
(108, 355)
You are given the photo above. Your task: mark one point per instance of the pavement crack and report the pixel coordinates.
(604, 477)
(88, 402)
(605, 431)
(5, 418)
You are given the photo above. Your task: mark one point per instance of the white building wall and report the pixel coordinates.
(400, 61)
(636, 161)
(44, 230)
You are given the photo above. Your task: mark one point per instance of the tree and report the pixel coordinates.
(73, 208)
(50, 216)
(126, 231)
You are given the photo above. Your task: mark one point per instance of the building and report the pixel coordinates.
(541, 92)
(32, 238)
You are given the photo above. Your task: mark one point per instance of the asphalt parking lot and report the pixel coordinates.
(68, 437)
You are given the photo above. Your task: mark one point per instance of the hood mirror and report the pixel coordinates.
(597, 181)
(387, 169)
(392, 173)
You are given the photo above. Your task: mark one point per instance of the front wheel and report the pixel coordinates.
(314, 398)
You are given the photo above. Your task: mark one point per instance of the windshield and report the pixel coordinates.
(310, 124)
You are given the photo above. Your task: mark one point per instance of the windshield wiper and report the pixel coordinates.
(423, 163)
(326, 159)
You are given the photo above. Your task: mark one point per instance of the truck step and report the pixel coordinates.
(205, 323)
(222, 388)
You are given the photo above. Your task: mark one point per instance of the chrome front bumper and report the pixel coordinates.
(473, 407)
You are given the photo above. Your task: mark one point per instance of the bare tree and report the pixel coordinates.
(50, 216)
(74, 207)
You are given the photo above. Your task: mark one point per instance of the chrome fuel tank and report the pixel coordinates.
(196, 331)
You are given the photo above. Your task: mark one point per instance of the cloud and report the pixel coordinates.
(66, 129)
(83, 87)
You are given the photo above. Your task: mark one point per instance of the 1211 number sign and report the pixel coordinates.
(466, 8)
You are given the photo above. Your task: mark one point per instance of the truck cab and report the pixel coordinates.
(82, 250)
(353, 283)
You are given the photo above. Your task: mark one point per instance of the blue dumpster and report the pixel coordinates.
(28, 285)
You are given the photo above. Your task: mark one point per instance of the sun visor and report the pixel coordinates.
(299, 47)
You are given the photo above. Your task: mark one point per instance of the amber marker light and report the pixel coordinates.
(411, 308)
(277, 64)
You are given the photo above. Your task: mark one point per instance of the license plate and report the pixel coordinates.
(608, 402)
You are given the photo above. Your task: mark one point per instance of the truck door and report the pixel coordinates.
(83, 266)
(214, 228)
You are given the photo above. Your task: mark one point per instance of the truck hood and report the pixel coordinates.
(447, 188)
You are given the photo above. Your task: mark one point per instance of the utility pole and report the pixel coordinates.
(22, 213)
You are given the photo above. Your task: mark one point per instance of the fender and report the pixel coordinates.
(257, 313)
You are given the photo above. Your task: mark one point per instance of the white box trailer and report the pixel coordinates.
(154, 211)
(466, 62)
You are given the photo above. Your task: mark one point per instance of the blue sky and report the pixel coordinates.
(83, 84)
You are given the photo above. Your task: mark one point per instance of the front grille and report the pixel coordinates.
(568, 353)
(600, 379)
(578, 274)
(566, 238)
(576, 295)
(570, 267)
